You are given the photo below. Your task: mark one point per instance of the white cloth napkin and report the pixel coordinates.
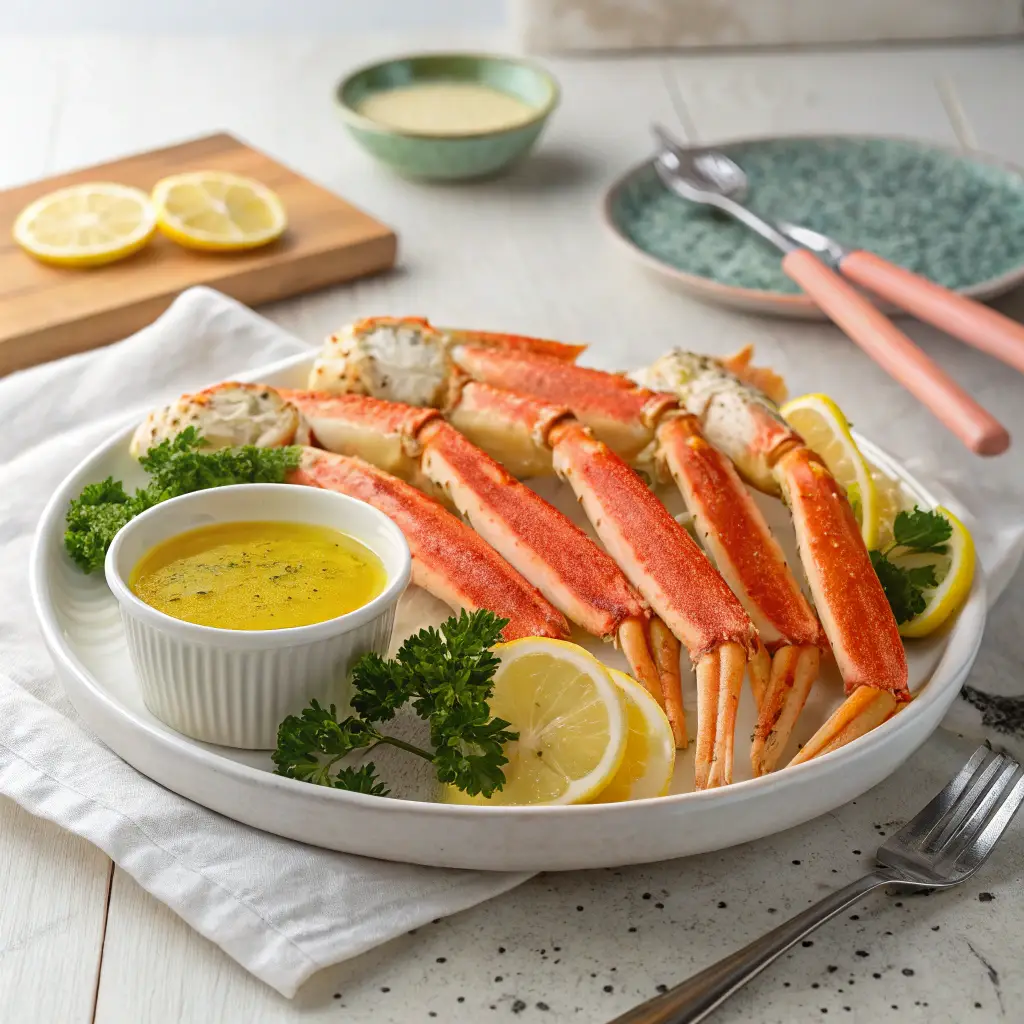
(281, 909)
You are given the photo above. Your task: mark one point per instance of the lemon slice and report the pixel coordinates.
(217, 211)
(650, 757)
(823, 426)
(890, 501)
(86, 225)
(571, 720)
(955, 572)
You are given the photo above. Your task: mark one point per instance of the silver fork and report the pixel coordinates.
(944, 845)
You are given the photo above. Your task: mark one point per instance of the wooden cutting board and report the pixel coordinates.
(48, 312)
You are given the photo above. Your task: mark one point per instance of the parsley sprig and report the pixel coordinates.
(175, 467)
(447, 676)
(916, 532)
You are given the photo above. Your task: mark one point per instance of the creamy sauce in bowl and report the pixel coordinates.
(258, 575)
(446, 108)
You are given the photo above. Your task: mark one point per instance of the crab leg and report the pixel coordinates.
(647, 428)
(543, 544)
(672, 573)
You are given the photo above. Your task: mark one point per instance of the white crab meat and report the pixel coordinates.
(400, 360)
(226, 415)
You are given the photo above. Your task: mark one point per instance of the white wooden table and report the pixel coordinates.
(80, 941)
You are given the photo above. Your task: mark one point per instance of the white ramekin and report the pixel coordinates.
(234, 686)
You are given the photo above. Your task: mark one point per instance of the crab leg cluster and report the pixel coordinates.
(516, 401)
(740, 419)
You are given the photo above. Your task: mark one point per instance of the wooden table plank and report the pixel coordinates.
(52, 914)
(884, 91)
(987, 90)
(32, 82)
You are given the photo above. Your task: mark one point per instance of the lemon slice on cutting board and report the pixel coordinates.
(571, 719)
(821, 423)
(650, 757)
(955, 572)
(86, 225)
(217, 211)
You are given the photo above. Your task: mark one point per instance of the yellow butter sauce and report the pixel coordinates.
(258, 575)
(446, 108)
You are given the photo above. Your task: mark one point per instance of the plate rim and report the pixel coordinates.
(961, 649)
(779, 302)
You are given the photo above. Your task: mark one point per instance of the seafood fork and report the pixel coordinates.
(941, 847)
(712, 178)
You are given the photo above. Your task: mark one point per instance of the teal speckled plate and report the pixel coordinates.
(956, 219)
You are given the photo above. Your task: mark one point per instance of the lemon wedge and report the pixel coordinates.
(86, 225)
(571, 720)
(955, 572)
(217, 211)
(823, 426)
(650, 757)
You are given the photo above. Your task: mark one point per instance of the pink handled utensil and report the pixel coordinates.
(713, 178)
(979, 326)
(888, 346)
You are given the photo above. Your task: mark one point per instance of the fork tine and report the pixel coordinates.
(977, 851)
(964, 809)
(937, 808)
(963, 827)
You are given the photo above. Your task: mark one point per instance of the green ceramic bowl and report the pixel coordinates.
(448, 157)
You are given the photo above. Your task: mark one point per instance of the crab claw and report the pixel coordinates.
(865, 709)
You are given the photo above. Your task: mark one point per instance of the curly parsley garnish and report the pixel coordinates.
(447, 676)
(916, 532)
(175, 467)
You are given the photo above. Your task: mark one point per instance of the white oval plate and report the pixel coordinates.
(82, 630)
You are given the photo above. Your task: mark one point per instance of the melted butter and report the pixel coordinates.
(258, 575)
(446, 108)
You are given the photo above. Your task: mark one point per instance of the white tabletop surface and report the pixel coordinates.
(81, 942)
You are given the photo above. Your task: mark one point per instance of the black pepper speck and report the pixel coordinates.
(518, 1006)
(543, 1006)
(662, 989)
(985, 897)
(609, 988)
(442, 959)
(862, 952)
(807, 943)
(908, 972)
(722, 905)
